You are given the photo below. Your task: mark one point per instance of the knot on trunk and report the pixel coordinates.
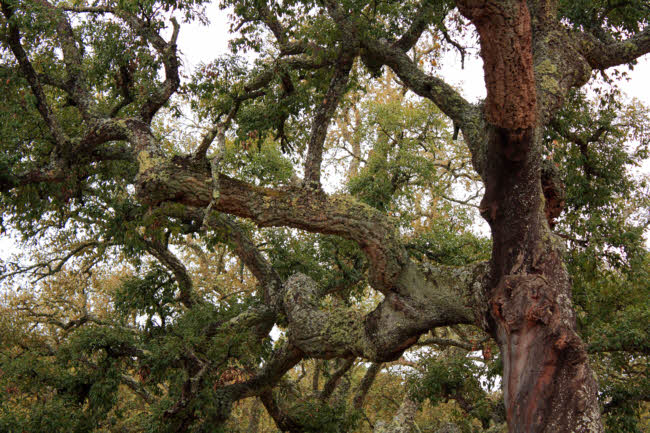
(554, 192)
(521, 302)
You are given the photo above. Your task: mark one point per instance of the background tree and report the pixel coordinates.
(158, 260)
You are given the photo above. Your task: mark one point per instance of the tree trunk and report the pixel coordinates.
(548, 385)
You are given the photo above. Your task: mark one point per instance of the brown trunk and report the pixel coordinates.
(548, 385)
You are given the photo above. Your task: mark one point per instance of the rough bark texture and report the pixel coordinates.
(505, 31)
(393, 326)
(548, 385)
(184, 181)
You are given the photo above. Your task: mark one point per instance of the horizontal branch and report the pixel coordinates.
(430, 297)
(55, 264)
(185, 181)
(601, 55)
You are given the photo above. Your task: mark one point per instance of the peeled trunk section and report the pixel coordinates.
(506, 49)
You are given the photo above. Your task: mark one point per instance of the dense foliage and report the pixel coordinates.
(127, 311)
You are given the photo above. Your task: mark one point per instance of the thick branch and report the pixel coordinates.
(429, 298)
(323, 117)
(602, 55)
(445, 342)
(187, 182)
(505, 33)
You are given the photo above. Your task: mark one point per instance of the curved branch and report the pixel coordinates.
(376, 53)
(430, 298)
(184, 181)
(272, 22)
(167, 51)
(601, 55)
(254, 88)
(437, 90)
(467, 117)
(54, 265)
(171, 262)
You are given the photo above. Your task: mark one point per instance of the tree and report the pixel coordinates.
(89, 167)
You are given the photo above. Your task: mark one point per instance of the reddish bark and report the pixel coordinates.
(507, 60)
